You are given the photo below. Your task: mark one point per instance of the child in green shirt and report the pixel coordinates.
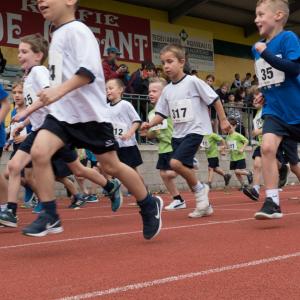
(210, 144)
(237, 143)
(163, 132)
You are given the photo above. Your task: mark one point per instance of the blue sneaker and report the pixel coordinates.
(43, 225)
(92, 198)
(116, 195)
(152, 221)
(38, 208)
(78, 201)
(8, 219)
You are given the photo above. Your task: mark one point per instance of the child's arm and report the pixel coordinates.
(225, 126)
(290, 67)
(5, 108)
(127, 135)
(245, 143)
(155, 121)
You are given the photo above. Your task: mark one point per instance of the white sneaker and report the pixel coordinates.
(198, 213)
(175, 204)
(202, 201)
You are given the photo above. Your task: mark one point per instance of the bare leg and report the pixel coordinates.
(257, 170)
(168, 179)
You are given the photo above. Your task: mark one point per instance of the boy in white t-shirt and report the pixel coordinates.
(186, 100)
(79, 116)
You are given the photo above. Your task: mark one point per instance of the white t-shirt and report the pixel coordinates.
(35, 81)
(186, 102)
(73, 48)
(123, 115)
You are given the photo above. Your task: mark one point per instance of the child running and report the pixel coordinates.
(237, 143)
(185, 99)
(79, 115)
(163, 132)
(277, 63)
(210, 144)
(126, 122)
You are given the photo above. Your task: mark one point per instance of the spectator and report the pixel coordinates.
(247, 81)
(210, 79)
(237, 82)
(195, 73)
(254, 81)
(2, 62)
(223, 92)
(139, 81)
(240, 95)
(187, 67)
(110, 67)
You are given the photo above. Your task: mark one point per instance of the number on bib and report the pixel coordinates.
(267, 75)
(55, 67)
(205, 144)
(30, 95)
(232, 145)
(119, 129)
(181, 111)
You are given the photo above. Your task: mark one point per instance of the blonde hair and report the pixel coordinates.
(177, 50)
(254, 90)
(17, 83)
(282, 5)
(163, 82)
(37, 44)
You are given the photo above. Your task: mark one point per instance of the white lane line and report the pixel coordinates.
(132, 232)
(161, 281)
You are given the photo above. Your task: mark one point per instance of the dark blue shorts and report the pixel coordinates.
(288, 152)
(96, 137)
(213, 162)
(130, 156)
(184, 149)
(238, 165)
(60, 168)
(256, 152)
(278, 127)
(163, 162)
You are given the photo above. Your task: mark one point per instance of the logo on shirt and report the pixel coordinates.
(109, 143)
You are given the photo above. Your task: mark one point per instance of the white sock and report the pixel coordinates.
(3, 207)
(274, 194)
(198, 187)
(257, 187)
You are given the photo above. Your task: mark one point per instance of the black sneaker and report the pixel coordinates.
(250, 177)
(283, 175)
(43, 225)
(251, 193)
(227, 178)
(8, 219)
(78, 202)
(152, 219)
(116, 196)
(269, 210)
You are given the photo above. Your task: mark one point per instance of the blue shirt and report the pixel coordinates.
(3, 95)
(283, 100)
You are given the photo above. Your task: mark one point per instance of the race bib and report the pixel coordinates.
(267, 75)
(182, 111)
(55, 67)
(205, 144)
(30, 95)
(119, 129)
(232, 145)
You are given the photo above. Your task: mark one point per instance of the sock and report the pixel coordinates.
(109, 186)
(178, 197)
(50, 208)
(146, 203)
(257, 187)
(274, 194)
(198, 187)
(13, 207)
(3, 207)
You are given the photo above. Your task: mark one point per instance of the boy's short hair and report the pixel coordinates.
(37, 44)
(282, 5)
(163, 82)
(232, 121)
(17, 83)
(119, 83)
(254, 90)
(176, 49)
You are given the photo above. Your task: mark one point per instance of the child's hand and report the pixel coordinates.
(19, 139)
(225, 125)
(49, 95)
(144, 126)
(126, 136)
(19, 116)
(143, 132)
(260, 47)
(6, 147)
(17, 130)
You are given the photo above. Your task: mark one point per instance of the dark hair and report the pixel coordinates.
(210, 76)
(232, 121)
(148, 65)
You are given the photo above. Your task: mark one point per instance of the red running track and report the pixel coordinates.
(103, 255)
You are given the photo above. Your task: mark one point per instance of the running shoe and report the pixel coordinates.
(199, 213)
(251, 193)
(38, 208)
(227, 178)
(92, 198)
(269, 210)
(78, 201)
(283, 175)
(115, 195)
(8, 219)
(250, 177)
(175, 205)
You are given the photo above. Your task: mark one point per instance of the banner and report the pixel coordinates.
(198, 44)
(130, 34)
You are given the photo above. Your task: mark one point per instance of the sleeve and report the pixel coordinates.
(85, 50)
(132, 114)
(162, 107)
(217, 138)
(206, 93)
(243, 139)
(3, 93)
(291, 46)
